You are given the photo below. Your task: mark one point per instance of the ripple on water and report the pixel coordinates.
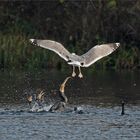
(95, 122)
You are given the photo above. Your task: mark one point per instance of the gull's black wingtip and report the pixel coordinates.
(33, 41)
(117, 44)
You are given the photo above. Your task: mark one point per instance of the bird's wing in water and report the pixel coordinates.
(58, 106)
(98, 52)
(53, 46)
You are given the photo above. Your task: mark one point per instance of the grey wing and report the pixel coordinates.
(53, 46)
(98, 52)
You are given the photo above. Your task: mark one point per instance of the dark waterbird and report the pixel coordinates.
(94, 54)
(30, 99)
(40, 96)
(77, 110)
(123, 103)
(37, 98)
(60, 105)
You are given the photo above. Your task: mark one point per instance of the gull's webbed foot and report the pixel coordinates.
(73, 74)
(80, 75)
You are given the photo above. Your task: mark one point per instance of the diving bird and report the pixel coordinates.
(60, 105)
(36, 99)
(30, 99)
(40, 95)
(85, 60)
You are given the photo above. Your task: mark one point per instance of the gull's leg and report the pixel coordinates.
(80, 74)
(73, 72)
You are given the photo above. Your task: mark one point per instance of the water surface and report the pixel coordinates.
(98, 95)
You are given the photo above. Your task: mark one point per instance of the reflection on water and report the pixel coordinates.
(98, 95)
(97, 87)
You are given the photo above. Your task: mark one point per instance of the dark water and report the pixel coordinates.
(98, 95)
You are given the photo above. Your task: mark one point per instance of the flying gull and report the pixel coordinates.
(85, 60)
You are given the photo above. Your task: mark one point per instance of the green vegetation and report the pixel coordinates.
(76, 24)
(17, 53)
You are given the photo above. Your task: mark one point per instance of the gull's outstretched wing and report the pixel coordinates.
(53, 46)
(98, 52)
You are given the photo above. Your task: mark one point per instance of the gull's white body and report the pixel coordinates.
(85, 60)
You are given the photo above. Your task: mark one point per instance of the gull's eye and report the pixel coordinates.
(82, 63)
(69, 61)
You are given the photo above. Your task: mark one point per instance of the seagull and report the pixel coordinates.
(94, 54)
